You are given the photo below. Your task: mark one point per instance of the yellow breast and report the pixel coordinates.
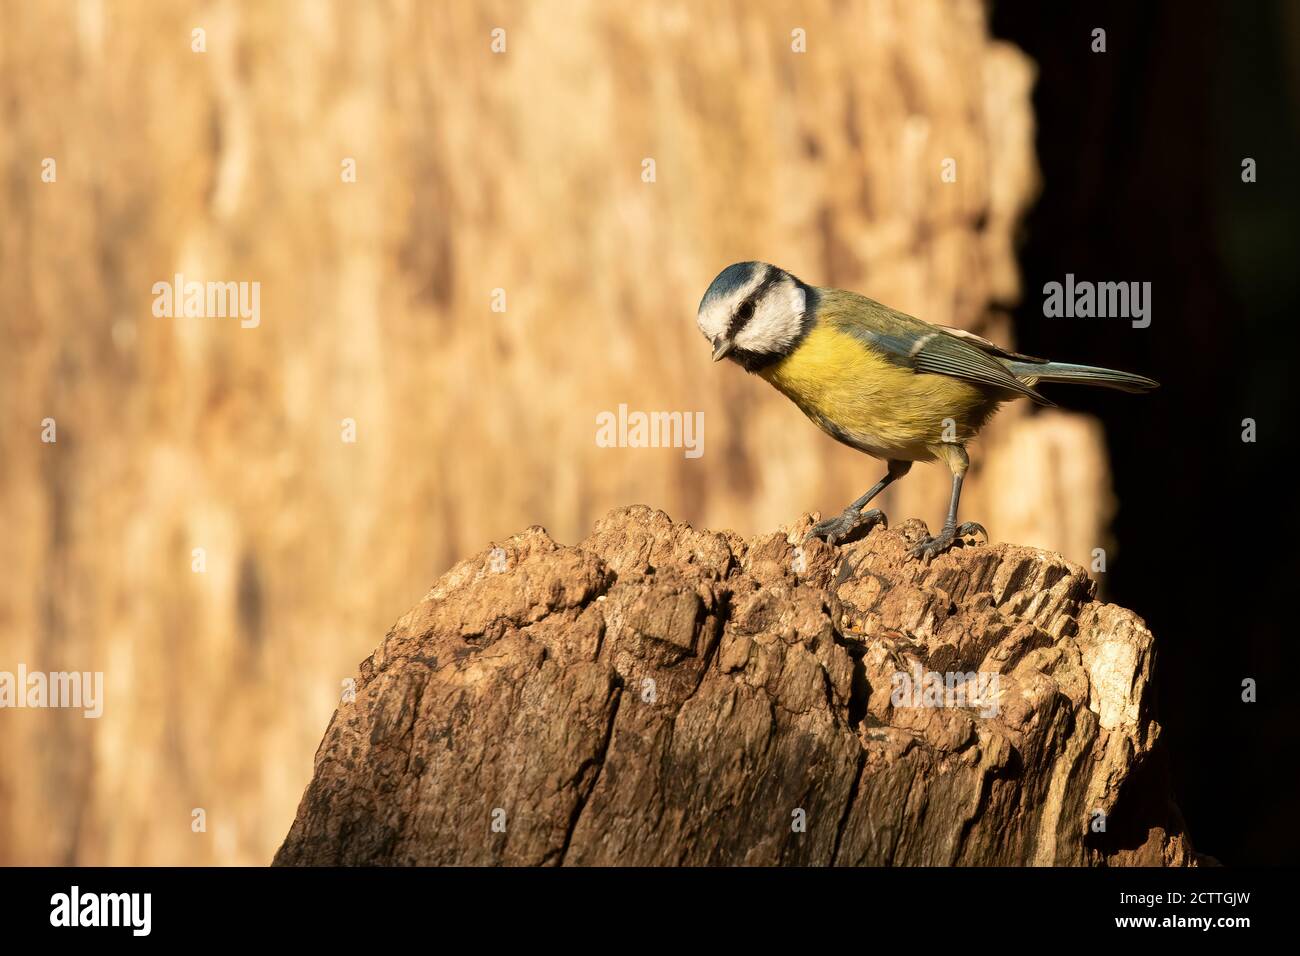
(859, 397)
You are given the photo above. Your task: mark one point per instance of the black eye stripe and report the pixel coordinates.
(745, 311)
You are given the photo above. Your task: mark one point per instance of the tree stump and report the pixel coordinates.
(659, 695)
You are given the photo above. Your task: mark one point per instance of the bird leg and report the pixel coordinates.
(957, 460)
(851, 518)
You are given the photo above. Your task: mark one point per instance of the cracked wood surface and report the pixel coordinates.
(659, 695)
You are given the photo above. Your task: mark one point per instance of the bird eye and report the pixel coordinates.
(746, 310)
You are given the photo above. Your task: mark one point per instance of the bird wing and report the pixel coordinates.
(991, 347)
(923, 347)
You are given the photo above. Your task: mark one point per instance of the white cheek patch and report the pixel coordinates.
(777, 321)
(714, 317)
(799, 302)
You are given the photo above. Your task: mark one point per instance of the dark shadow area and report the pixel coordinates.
(1141, 150)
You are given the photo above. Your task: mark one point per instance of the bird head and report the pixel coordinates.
(753, 312)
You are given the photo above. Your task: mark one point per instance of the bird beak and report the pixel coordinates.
(721, 348)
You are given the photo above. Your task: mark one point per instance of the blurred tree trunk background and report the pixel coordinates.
(476, 171)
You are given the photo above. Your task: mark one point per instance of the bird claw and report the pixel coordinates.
(945, 539)
(842, 525)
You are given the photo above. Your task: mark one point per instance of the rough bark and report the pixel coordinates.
(661, 695)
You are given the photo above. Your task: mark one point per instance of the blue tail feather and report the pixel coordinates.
(1032, 373)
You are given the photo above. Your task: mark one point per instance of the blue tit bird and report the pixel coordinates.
(900, 389)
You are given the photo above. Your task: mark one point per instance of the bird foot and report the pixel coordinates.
(842, 525)
(945, 539)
